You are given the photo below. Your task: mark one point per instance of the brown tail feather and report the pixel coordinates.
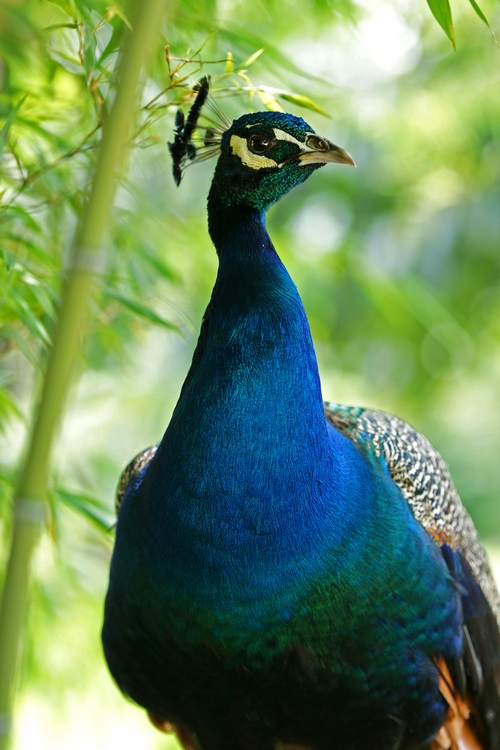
(457, 733)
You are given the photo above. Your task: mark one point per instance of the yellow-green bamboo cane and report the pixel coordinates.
(29, 501)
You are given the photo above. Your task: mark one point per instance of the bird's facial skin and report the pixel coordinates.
(268, 148)
(265, 154)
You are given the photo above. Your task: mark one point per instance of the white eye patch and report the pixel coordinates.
(281, 135)
(239, 147)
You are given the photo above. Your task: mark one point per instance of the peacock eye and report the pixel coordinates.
(259, 144)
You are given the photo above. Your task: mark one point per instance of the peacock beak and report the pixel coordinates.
(322, 151)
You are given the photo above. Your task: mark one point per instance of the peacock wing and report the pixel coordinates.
(471, 687)
(132, 473)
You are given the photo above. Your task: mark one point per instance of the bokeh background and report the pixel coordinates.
(398, 264)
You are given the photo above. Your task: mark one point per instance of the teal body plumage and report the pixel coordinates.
(270, 582)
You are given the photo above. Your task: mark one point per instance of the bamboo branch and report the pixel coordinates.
(29, 501)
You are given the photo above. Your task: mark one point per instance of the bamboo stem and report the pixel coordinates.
(86, 256)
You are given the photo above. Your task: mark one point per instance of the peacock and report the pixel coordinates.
(290, 574)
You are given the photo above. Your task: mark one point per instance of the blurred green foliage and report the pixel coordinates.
(441, 10)
(398, 262)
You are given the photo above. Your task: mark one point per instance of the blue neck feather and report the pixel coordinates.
(257, 527)
(253, 504)
(248, 459)
(255, 358)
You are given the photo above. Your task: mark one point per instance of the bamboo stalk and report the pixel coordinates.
(29, 500)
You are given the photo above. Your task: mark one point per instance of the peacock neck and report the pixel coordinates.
(255, 354)
(249, 484)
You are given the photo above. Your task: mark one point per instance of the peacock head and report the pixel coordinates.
(263, 155)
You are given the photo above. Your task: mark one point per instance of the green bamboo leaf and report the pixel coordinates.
(85, 9)
(229, 62)
(67, 6)
(6, 486)
(28, 317)
(11, 212)
(18, 340)
(8, 408)
(35, 251)
(112, 45)
(251, 90)
(238, 36)
(483, 19)
(441, 11)
(268, 99)
(144, 312)
(479, 12)
(252, 58)
(4, 132)
(89, 48)
(270, 96)
(162, 268)
(42, 293)
(89, 507)
(115, 10)
(54, 138)
(303, 101)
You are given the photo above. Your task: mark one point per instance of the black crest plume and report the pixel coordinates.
(183, 150)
